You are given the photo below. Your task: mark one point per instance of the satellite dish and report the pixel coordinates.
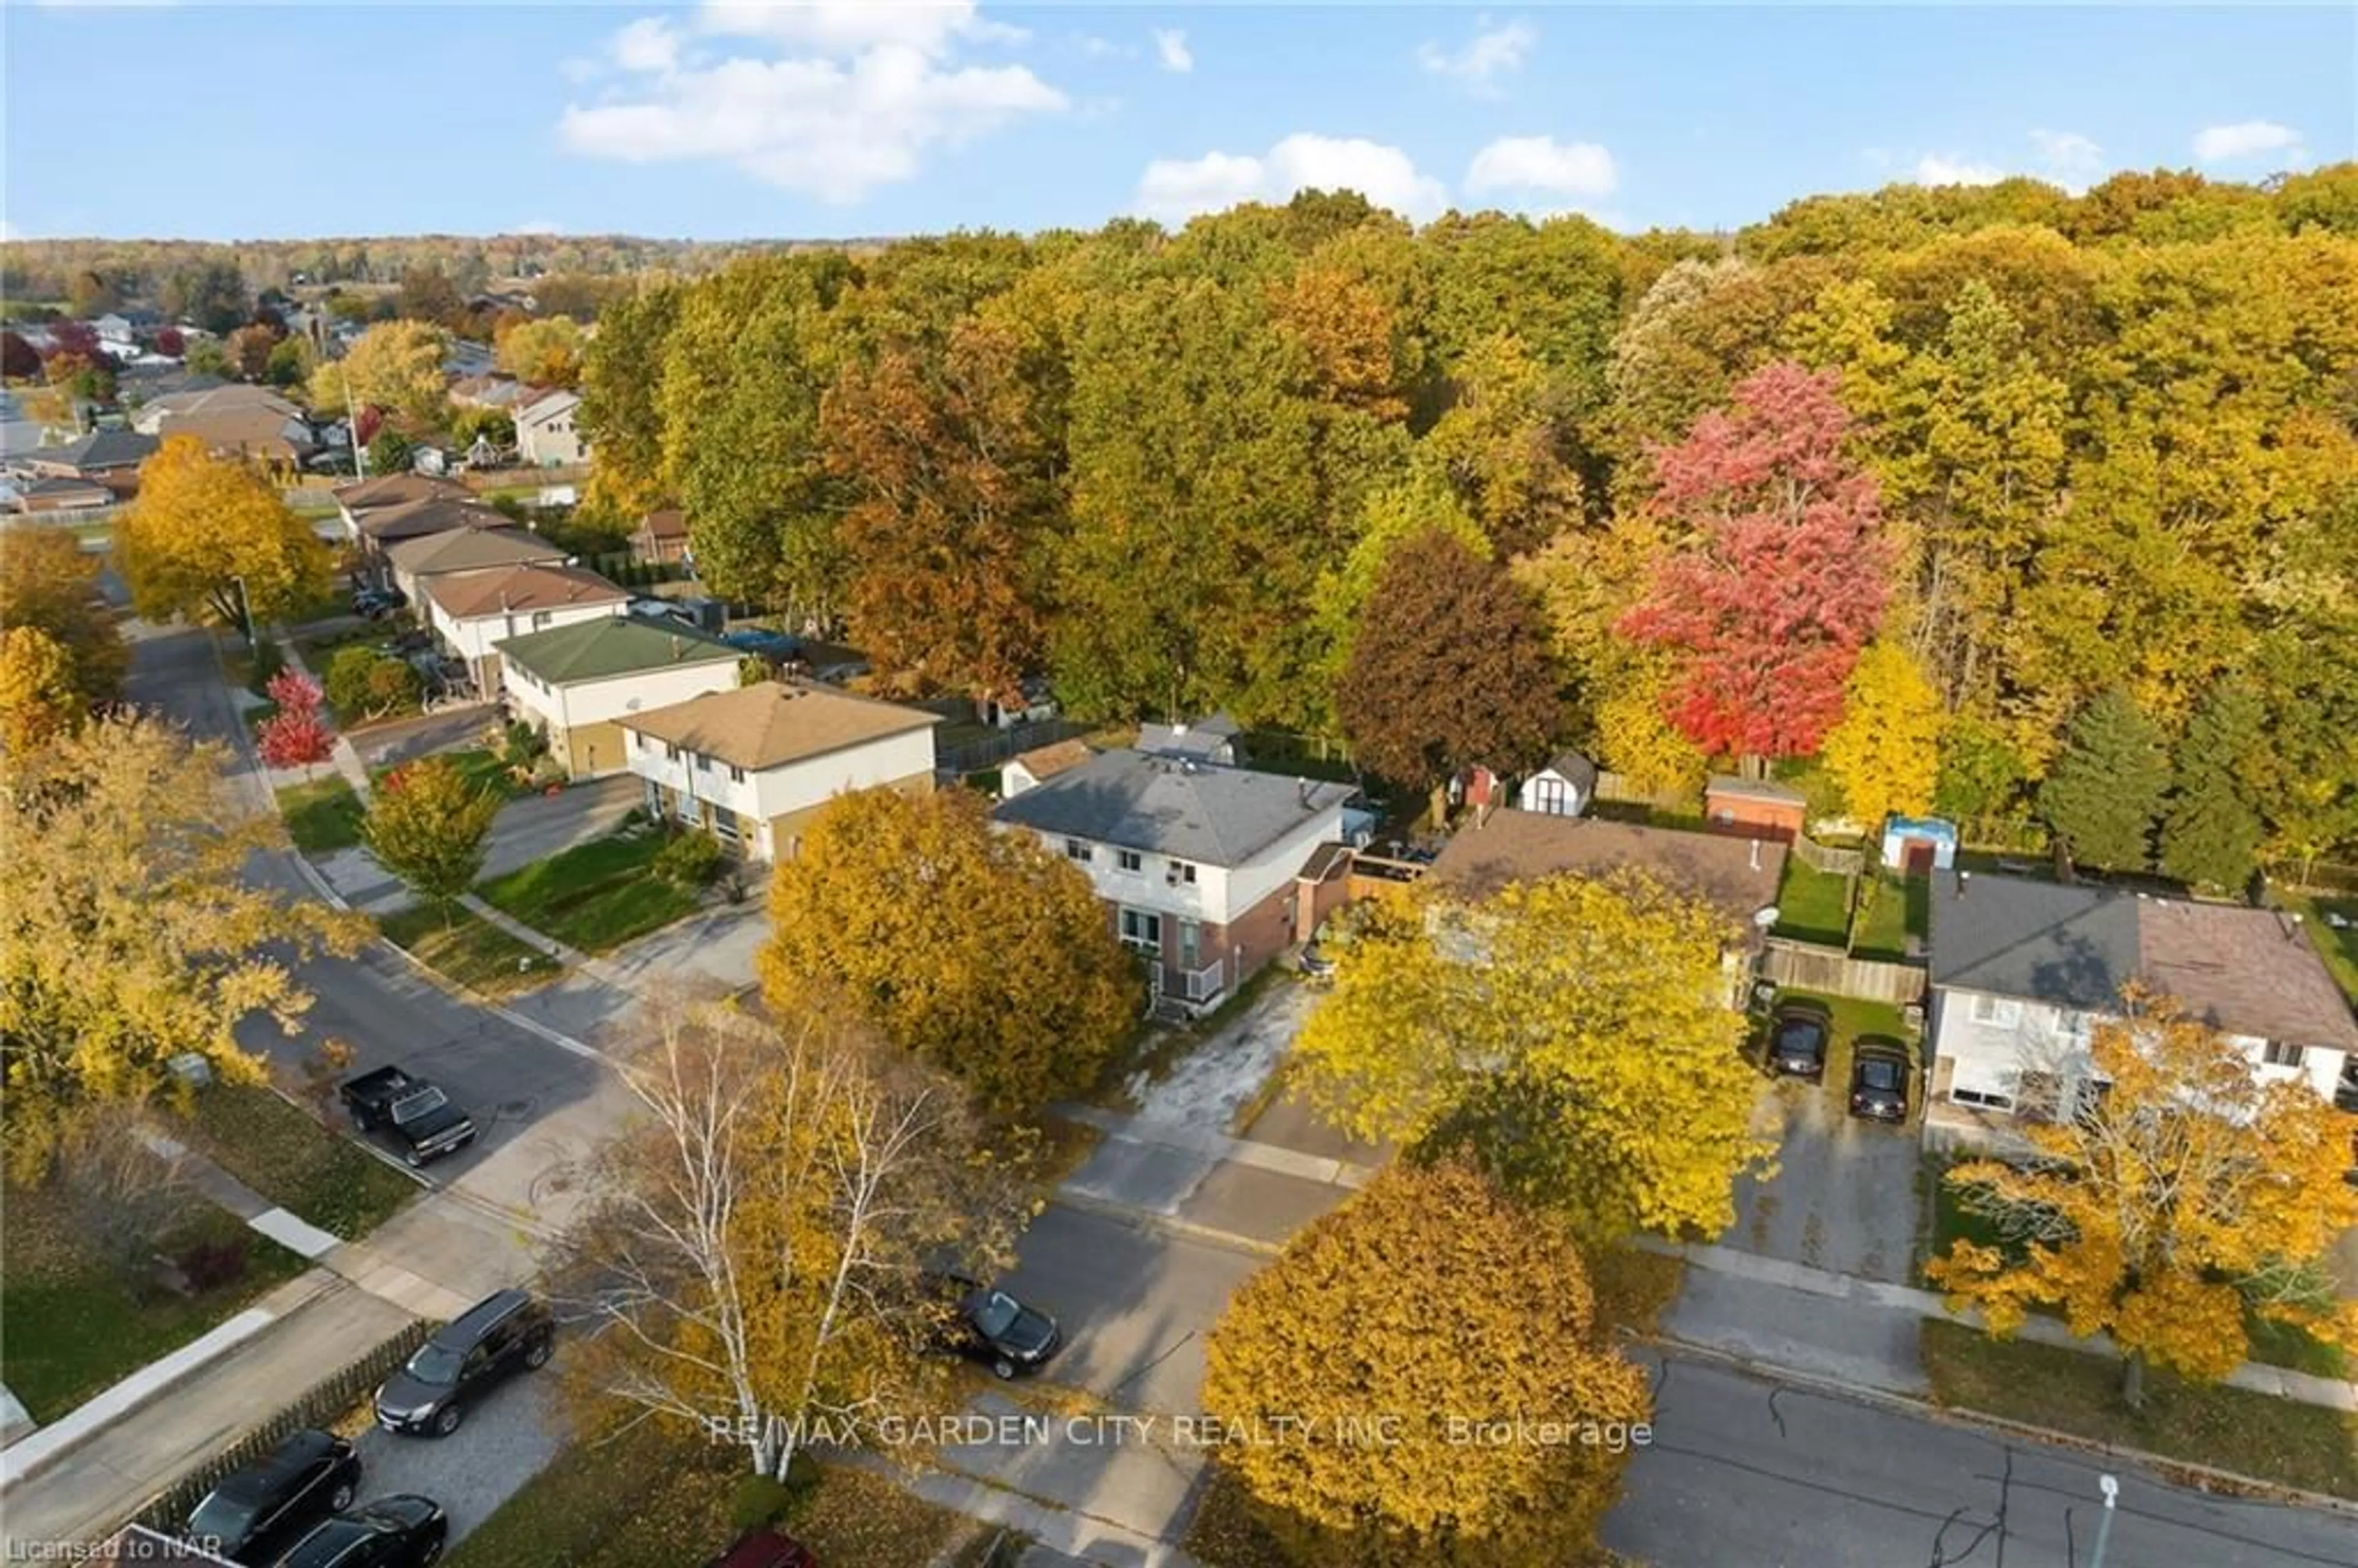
(1765, 918)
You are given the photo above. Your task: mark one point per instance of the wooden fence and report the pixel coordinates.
(989, 750)
(1615, 786)
(1834, 862)
(1810, 966)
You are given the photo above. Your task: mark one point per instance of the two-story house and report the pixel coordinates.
(1198, 863)
(547, 434)
(413, 562)
(576, 684)
(473, 611)
(2024, 970)
(752, 765)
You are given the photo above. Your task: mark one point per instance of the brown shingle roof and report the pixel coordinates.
(470, 549)
(1044, 763)
(399, 490)
(431, 515)
(527, 586)
(2248, 971)
(1736, 876)
(669, 523)
(775, 722)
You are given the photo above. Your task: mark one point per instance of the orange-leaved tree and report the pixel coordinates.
(2188, 1194)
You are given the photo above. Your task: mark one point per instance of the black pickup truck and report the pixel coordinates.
(420, 1117)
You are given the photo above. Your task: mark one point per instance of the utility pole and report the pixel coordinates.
(2110, 1486)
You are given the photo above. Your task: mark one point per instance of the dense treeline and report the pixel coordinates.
(2031, 450)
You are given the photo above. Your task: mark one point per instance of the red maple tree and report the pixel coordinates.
(1786, 573)
(297, 735)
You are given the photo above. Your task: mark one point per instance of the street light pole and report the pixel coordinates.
(244, 611)
(2110, 1486)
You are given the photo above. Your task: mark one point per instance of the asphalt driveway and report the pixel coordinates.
(1845, 1194)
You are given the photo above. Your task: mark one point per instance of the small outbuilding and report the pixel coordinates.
(1758, 808)
(1564, 788)
(1919, 844)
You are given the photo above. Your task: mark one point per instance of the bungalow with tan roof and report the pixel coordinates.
(751, 766)
(412, 561)
(472, 612)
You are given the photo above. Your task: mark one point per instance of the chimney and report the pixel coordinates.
(1756, 854)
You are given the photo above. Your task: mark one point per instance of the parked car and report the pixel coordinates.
(765, 1549)
(254, 1515)
(373, 603)
(404, 1530)
(989, 1325)
(1797, 1041)
(1878, 1083)
(416, 1114)
(505, 1333)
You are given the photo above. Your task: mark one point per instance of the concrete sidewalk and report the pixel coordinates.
(1197, 1181)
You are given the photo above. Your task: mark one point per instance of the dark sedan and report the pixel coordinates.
(1879, 1085)
(255, 1514)
(401, 1532)
(989, 1325)
(1797, 1042)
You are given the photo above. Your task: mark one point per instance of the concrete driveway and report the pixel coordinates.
(1844, 1196)
(539, 825)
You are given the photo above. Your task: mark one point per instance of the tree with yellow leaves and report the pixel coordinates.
(1572, 1034)
(130, 935)
(395, 365)
(37, 690)
(545, 352)
(2162, 1207)
(207, 532)
(50, 584)
(1886, 752)
(978, 951)
(1355, 1368)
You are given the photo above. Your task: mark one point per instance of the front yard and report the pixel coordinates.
(658, 1494)
(461, 946)
(290, 1158)
(2250, 1435)
(321, 817)
(72, 1324)
(595, 896)
(480, 766)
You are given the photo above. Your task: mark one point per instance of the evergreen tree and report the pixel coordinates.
(2211, 835)
(2106, 789)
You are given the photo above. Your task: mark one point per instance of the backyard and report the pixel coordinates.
(595, 896)
(1812, 905)
(462, 947)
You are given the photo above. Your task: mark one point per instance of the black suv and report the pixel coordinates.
(255, 1514)
(404, 1530)
(493, 1338)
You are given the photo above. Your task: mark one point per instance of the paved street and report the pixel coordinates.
(1744, 1475)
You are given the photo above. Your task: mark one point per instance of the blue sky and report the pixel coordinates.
(725, 121)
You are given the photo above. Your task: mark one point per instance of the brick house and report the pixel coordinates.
(1199, 865)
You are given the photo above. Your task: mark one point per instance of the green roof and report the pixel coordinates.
(599, 650)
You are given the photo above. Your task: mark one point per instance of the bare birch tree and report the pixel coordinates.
(754, 1261)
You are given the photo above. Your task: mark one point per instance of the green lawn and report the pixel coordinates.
(658, 1494)
(321, 816)
(70, 1325)
(1891, 910)
(293, 1160)
(595, 896)
(2250, 1435)
(467, 948)
(1811, 906)
(2339, 948)
(479, 765)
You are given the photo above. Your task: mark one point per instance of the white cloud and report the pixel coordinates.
(2225, 144)
(1542, 166)
(1491, 53)
(1096, 48)
(1939, 168)
(1170, 48)
(1174, 189)
(853, 97)
(2069, 159)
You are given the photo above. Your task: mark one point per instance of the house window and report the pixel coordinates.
(1548, 795)
(736, 774)
(1129, 860)
(1075, 849)
(2282, 1054)
(1182, 871)
(1142, 930)
(1190, 944)
(2002, 1011)
(703, 763)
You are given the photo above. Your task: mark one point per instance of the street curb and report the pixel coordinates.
(1142, 1219)
(2162, 1465)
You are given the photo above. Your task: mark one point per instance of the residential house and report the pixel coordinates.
(547, 436)
(753, 765)
(575, 683)
(495, 392)
(160, 415)
(1736, 877)
(107, 458)
(128, 331)
(357, 501)
(1199, 864)
(1566, 787)
(36, 496)
(1758, 808)
(1212, 740)
(2024, 970)
(473, 611)
(254, 432)
(1030, 770)
(661, 537)
(383, 530)
(411, 563)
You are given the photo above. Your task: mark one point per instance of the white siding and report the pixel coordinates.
(474, 637)
(1550, 793)
(594, 702)
(795, 786)
(1220, 894)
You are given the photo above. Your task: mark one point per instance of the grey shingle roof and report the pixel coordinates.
(2072, 947)
(99, 450)
(1166, 806)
